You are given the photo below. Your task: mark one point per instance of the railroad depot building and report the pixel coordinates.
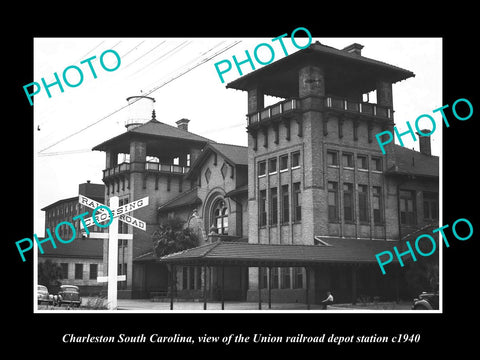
(302, 210)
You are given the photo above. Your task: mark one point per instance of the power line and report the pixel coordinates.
(148, 93)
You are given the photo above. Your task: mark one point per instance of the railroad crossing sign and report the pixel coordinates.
(119, 213)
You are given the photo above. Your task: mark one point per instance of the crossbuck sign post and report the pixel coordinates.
(119, 213)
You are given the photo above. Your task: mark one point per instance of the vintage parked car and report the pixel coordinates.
(426, 301)
(69, 294)
(43, 297)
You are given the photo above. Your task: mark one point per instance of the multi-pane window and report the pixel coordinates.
(363, 203)
(376, 164)
(273, 206)
(377, 204)
(284, 162)
(262, 208)
(274, 277)
(263, 277)
(93, 271)
(430, 205)
(362, 162)
(64, 273)
(348, 202)
(332, 158)
(285, 278)
(347, 160)
(285, 204)
(332, 201)
(407, 207)
(272, 165)
(191, 278)
(220, 214)
(262, 168)
(295, 159)
(78, 271)
(297, 278)
(297, 202)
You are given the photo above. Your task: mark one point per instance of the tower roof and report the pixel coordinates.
(343, 69)
(152, 129)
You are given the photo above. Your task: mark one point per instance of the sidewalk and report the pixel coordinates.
(148, 305)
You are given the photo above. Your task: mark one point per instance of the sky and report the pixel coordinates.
(180, 74)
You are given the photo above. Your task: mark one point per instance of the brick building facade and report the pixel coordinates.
(312, 174)
(81, 260)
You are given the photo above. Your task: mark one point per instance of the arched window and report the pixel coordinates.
(220, 217)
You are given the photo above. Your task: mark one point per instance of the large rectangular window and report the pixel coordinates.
(262, 168)
(64, 274)
(272, 165)
(430, 205)
(363, 203)
(348, 202)
(263, 277)
(347, 160)
(407, 207)
(274, 277)
(332, 201)
(295, 159)
(285, 278)
(297, 202)
(297, 278)
(377, 204)
(262, 208)
(332, 158)
(285, 205)
(78, 271)
(93, 271)
(284, 162)
(362, 162)
(273, 206)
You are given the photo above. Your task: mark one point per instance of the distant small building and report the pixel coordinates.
(82, 259)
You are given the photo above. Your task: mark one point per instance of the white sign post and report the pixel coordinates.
(119, 213)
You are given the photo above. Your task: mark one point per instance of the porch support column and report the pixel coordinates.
(307, 271)
(259, 291)
(204, 287)
(269, 287)
(223, 287)
(172, 285)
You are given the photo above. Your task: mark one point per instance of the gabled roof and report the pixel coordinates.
(250, 254)
(233, 154)
(154, 128)
(188, 198)
(411, 162)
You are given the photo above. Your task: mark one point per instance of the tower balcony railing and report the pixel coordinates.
(332, 102)
(281, 107)
(171, 168)
(149, 166)
(372, 109)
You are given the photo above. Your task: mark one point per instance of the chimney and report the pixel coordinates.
(425, 142)
(182, 124)
(354, 48)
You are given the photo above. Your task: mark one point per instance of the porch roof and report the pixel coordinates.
(331, 250)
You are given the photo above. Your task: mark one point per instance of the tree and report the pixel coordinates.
(172, 237)
(49, 273)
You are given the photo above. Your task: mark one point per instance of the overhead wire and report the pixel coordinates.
(42, 151)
